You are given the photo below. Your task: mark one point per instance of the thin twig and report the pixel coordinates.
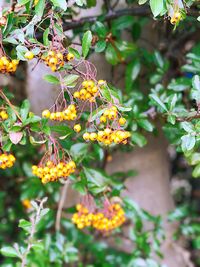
(61, 204)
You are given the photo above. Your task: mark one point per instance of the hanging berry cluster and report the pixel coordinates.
(56, 60)
(54, 165)
(8, 65)
(6, 160)
(70, 114)
(111, 217)
(108, 136)
(3, 115)
(88, 91)
(52, 172)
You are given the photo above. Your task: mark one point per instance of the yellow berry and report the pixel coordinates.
(46, 114)
(70, 56)
(122, 121)
(29, 55)
(77, 128)
(86, 136)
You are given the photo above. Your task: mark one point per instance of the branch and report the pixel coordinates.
(61, 204)
(136, 11)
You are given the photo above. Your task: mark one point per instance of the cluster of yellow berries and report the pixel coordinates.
(108, 136)
(70, 114)
(56, 60)
(3, 115)
(52, 172)
(111, 114)
(7, 65)
(87, 92)
(176, 18)
(6, 161)
(102, 221)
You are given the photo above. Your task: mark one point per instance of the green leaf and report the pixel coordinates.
(111, 55)
(9, 252)
(22, 2)
(51, 79)
(79, 150)
(70, 79)
(24, 110)
(138, 139)
(187, 126)
(45, 37)
(74, 52)
(145, 124)
(122, 22)
(86, 43)
(141, 2)
(196, 171)
(156, 7)
(60, 3)
(39, 8)
(158, 101)
(26, 225)
(100, 29)
(95, 177)
(132, 72)
(188, 142)
(100, 46)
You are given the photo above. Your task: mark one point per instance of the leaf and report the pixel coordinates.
(86, 43)
(22, 2)
(26, 225)
(78, 150)
(24, 110)
(51, 79)
(188, 142)
(141, 2)
(45, 37)
(132, 71)
(70, 79)
(158, 101)
(95, 177)
(122, 22)
(187, 126)
(196, 82)
(60, 3)
(196, 171)
(100, 29)
(15, 137)
(74, 52)
(145, 124)
(39, 8)
(156, 7)
(9, 252)
(100, 46)
(138, 139)
(111, 55)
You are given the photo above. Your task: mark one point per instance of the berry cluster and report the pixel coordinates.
(7, 65)
(6, 160)
(105, 221)
(108, 136)
(51, 172)
(3, 115)
(56, 60)
(112, 114)
(88, 91)
(70, 114)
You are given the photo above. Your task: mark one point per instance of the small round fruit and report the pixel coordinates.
(70, 56)
(46, 113)
(29, 55)
(86, 136)
(77, 128)
(122, 121)
(101, 82)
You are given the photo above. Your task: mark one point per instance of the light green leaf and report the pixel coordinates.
(9, 252)
(86, 43)
(156, 7)
(70, 79)
(51, 79)
(60, 3)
